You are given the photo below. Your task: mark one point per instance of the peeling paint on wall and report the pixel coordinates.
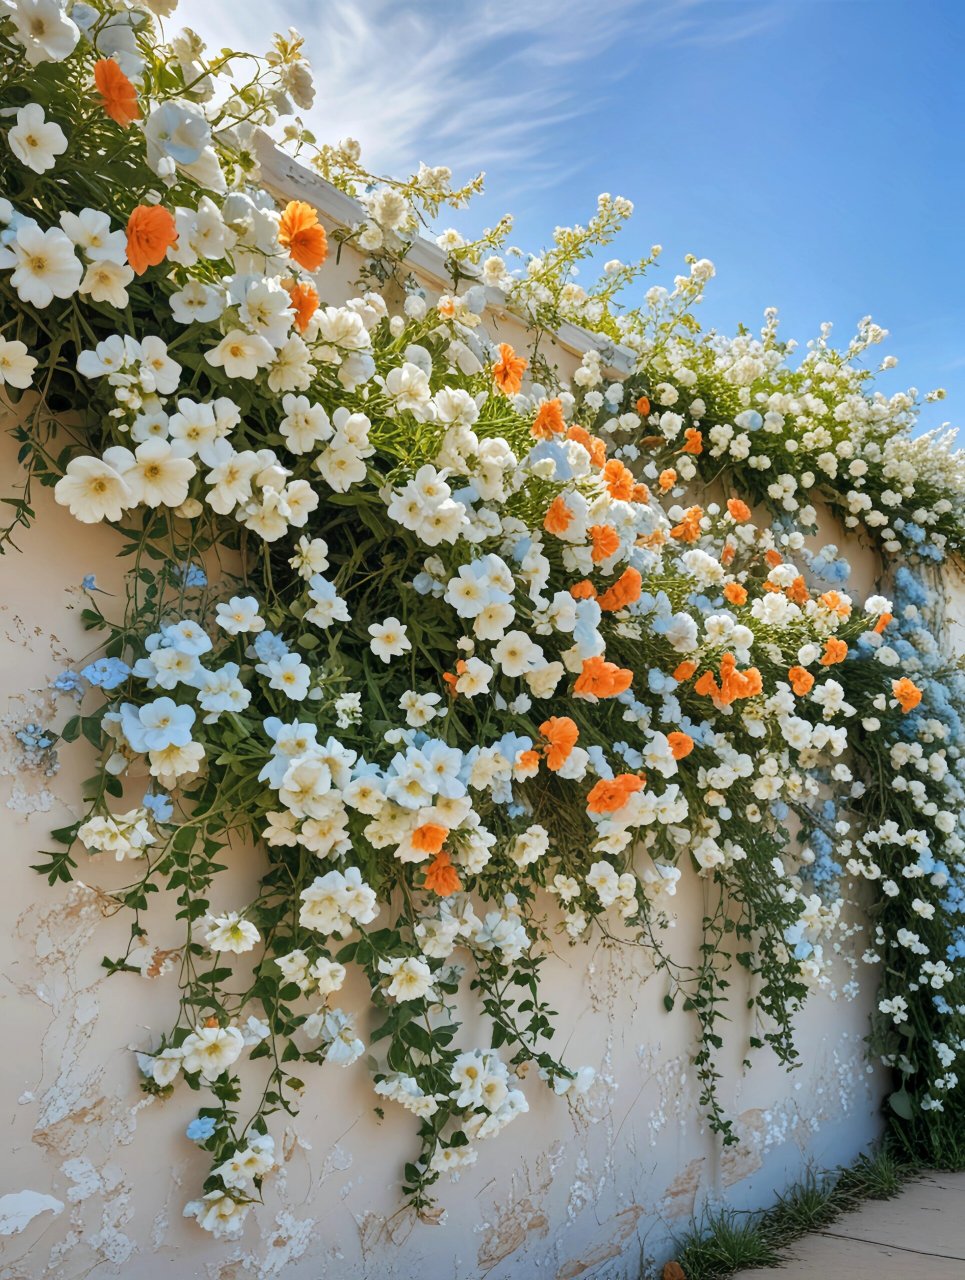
(20, 1208)
(589, 1189)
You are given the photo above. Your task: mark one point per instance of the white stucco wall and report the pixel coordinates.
(95, 1175)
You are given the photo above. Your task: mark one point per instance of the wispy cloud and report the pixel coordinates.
(491, 82)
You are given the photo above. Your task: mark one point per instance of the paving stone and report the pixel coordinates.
(928, 1217)
(824, 1257)
(918, 1235)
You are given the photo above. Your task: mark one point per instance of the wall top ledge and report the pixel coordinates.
(290, 180)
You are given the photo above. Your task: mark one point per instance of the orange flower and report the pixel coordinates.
(549, 420)
(558, 517)
(602, 679)
(624, 591)
(728, 552)
(150, 233)
(611, 794)
(641, 493)
(706, 686)
(835, 651)
(695, 442)
(304, 302)
(773, 558)
(118, 95)
(734, 593)
(836, 603)
(907, 693)
(734, 684)
(592, 444)
(584, 590)
(681, 744)
(508, 370)
(606, 541)
(441, 876)
(684, 671)
(528, 762)
(643, 406)
(430, 837)
(655, 539)
(689, 528)
(737, 510)
(802, 681)
(451, 680)
(301, 233)
(883, 622)
(561, 735)
(618, 480)
(667, 479)
(798, 592)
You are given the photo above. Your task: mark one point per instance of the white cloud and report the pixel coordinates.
(473, 83)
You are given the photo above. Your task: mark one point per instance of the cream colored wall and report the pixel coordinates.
(96, 1174)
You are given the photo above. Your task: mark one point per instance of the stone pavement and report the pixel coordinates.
(919, 1235)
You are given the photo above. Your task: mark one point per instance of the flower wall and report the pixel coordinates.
(498, 656)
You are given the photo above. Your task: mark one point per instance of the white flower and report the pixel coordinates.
(166, 1065)
(156, 370)
(176, 130)
(304, 424)
(389, 639)
(341, 465)
(327, 976)
(241, 354)
(292, 369)
(411, 978)
(44, 264)
(331, 902)
(408, 388)
(265, 307)
(92, 491)
(219, 1213)
(35, 141)
(212, 1050)
(196, 426)
(516, 654)
(335, 1028)
(474, 678)
(90, 231)
(107, 281)
(157, 473)
(452, 1159)
(44, 30)
(311, 557)
(231, 933)
(198, 302)
(290, 675)
(126, 835)
(419, 708)
(249, 1162)
(168, 764)
(239, 614)
(16, 366)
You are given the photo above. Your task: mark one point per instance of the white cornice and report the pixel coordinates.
(291, 180)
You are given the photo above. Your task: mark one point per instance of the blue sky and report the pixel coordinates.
(812, 148)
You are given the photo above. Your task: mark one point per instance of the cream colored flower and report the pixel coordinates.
(92, 491)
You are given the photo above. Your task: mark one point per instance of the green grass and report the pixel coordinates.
(718, 1244)
(724, 1243)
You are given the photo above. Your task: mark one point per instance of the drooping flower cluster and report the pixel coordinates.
(476, 658)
